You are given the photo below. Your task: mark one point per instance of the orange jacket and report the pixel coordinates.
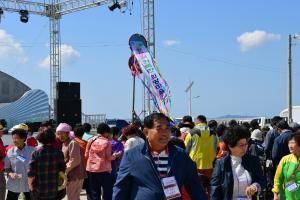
(223, 151)
(82, 145)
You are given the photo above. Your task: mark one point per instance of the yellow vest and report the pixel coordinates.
(201, 145)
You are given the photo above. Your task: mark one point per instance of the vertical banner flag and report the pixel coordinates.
(143, 65)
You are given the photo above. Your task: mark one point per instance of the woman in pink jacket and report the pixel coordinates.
(99, 156)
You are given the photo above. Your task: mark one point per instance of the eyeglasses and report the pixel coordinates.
(242, 146)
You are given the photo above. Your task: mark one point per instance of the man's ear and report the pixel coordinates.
(146, 131)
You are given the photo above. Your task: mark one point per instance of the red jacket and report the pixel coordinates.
(31, 141)
(2, 155)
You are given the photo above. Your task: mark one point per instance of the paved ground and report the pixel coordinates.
(8, 140)
(82, 196)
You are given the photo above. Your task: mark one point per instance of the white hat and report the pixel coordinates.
(20, 126)
(257, 135)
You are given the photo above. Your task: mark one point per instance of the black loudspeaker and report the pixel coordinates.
(67, 90)
(68, 111)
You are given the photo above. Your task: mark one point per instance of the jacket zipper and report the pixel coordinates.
(171, 163)
(155, 170)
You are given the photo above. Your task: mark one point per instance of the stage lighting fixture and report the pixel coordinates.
(123, 4)
(23, 16)
(114, 6)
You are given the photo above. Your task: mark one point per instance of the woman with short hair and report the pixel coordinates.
(287, 177)
(16, 166)
(99, 156)
(45, 168)
(238, 175)
(131, 133)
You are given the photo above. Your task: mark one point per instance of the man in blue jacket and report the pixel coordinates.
(280, 147)
(157, 170)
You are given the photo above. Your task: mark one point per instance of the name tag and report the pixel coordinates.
(21, 158)
(242, 198)
(291, 186)
(170, 187)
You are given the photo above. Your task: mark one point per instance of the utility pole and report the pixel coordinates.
(290, 105)
(189, 89)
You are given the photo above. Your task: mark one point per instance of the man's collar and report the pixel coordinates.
(285, 130)
(154, 151)
(166, 150)
(68, 140)
(17, 148)
(146, 149)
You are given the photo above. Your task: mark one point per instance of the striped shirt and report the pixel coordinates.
(161, 162)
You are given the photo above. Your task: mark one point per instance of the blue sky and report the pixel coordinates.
(234, 51)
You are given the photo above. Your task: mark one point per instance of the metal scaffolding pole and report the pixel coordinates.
(149, 33)
(54, 10)
(55, 60)
(148, 25)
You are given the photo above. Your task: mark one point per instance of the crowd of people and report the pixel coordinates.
(157, 160)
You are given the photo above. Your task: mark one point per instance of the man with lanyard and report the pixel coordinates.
(157, 170)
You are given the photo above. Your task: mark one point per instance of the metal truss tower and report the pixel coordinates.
(55, 53)
(149, 33)
(54, 10)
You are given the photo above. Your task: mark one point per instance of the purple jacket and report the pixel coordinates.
(116, 146)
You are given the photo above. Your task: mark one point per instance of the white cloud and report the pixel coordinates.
(68, 56)
(10, 49)
(169, 43)
(249, 40)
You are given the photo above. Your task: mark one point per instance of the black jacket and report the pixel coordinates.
(257, 149)
(280, 147)
(222, 178)
(138, 177)
(269, 142)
